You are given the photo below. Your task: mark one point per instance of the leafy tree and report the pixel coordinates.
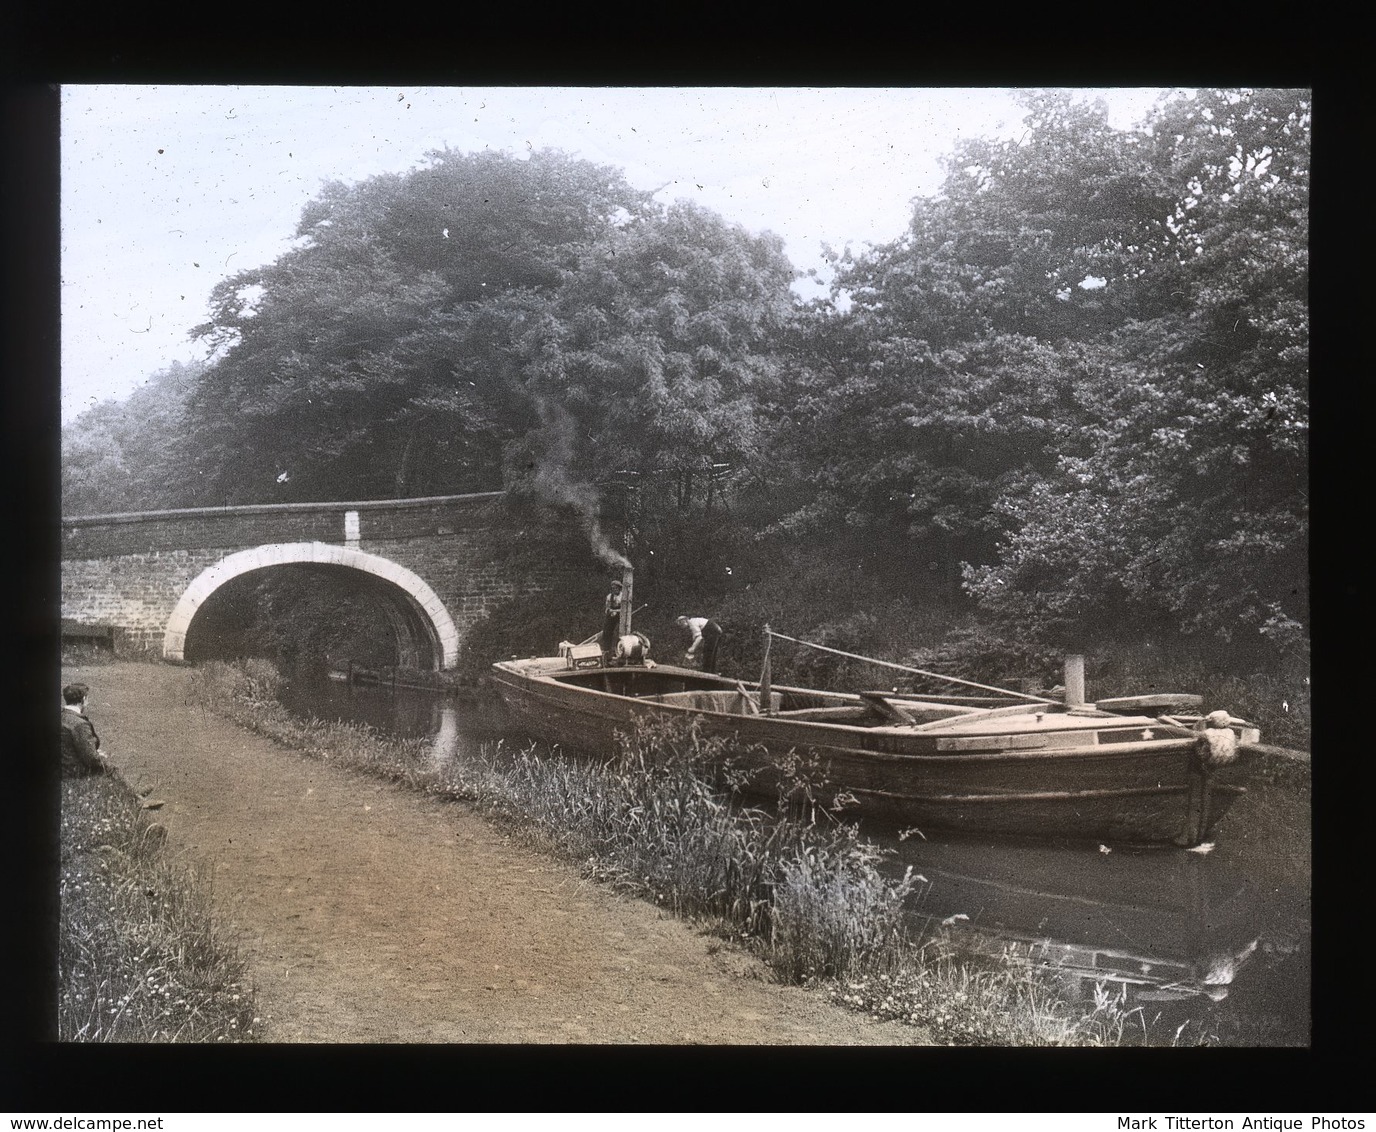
(1043, 237)
(949, 373)
(1191, 495)
(94, 475)
(125, 455)
(484, 314)
(910, 452)
(1082, 372)
(654, 356)
(375, 359)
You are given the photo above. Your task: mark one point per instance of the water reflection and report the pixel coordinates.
(1158, 918)
(1220, 937)
(457, 725)
(1172, 932)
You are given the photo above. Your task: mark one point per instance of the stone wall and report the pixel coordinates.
(476, 569)
(135, 593)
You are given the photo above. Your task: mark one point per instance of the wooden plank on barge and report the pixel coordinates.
(1010, 742)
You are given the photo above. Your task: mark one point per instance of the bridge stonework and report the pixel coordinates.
(444, 562)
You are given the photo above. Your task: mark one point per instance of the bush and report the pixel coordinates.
(1278, 702)
(219, 682)
(262, 679)
(974, 652)
(821, 603)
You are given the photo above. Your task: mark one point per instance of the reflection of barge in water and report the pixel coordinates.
(1149, 978)
(1163, 925)
(410, 679)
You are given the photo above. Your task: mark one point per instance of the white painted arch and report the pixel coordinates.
(322, 553)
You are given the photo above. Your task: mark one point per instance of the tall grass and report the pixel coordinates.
(86, 654)
(661, 817)
(143, 955)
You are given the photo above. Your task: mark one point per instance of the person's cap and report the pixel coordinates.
(616, 585)
(1217, 719)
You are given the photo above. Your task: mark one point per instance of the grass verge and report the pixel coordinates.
(142, 954)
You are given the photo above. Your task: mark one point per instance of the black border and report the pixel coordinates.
(42, 1077)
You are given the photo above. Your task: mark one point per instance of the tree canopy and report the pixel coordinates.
(1188, 490)
(123, 455)
(660, 346)
(380, 357)
(1082, 372)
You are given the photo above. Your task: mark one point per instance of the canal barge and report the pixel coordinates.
(1147, 769)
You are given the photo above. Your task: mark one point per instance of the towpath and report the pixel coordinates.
(372, 914)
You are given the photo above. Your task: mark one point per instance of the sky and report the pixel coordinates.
(167, 190)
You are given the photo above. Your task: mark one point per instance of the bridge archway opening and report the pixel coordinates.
(339, 594)
(306, 613)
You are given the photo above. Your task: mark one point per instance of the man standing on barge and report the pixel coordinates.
(611, 624)
(706, 635)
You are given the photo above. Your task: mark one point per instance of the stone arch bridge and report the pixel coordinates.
(436, 565)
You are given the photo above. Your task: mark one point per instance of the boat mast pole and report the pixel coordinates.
(916, 671)
(766, 693)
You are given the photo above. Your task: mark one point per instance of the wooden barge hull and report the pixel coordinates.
(1126, 780)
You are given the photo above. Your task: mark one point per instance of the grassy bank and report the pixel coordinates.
(659, 820)
(142, 953)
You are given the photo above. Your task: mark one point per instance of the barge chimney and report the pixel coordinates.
(1074, 681)
(627, 597)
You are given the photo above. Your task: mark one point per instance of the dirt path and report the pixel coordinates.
(376, 915)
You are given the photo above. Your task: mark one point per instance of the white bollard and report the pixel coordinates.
(1074, 681)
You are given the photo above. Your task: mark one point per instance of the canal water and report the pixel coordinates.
(1213, 942)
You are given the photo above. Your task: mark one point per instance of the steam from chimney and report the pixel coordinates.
(553, 478)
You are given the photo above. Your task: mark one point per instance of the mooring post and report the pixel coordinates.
(1074, 680)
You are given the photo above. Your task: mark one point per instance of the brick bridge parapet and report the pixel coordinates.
(443, 557)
